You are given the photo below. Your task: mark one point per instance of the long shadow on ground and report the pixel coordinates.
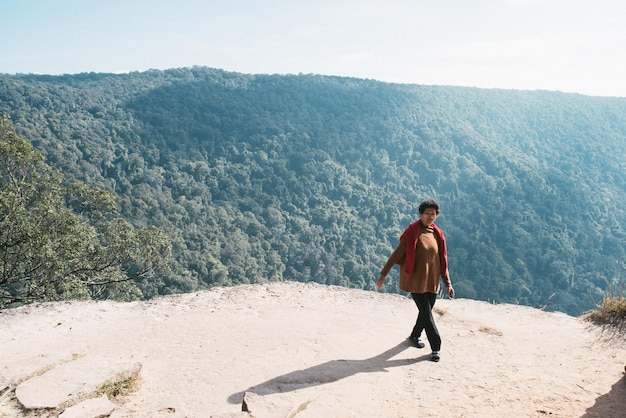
(329, 372)
(610, 405)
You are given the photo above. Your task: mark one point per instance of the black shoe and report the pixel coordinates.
(434, 356)
(417, 342)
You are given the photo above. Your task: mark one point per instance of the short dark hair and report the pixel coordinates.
(430, 203)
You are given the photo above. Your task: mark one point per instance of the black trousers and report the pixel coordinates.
(425, 320)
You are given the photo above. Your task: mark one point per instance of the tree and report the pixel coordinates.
(309, 177)
(61, 241)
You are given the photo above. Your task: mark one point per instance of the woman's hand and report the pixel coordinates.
(451, 292)
(380, 282)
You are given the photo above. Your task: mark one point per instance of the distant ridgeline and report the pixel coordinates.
(313, 178)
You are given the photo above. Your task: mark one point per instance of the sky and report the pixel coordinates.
(574, 46)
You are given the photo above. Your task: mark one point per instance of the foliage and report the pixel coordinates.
(117, 388)
(63, 242)
(311, 178)
(611, 311)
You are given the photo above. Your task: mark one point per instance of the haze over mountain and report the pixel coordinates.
(558, 45)
(312, 178)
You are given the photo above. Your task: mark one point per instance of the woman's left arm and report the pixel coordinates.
(448, 283)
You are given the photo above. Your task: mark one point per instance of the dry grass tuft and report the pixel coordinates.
(440, 311)
(611, 311)
(119, 388)
(301, 408)
(489, 330)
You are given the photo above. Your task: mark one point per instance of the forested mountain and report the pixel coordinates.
(313, 178)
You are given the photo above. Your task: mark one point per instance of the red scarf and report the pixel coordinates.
(412, 233)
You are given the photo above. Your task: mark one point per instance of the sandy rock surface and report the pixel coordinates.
(308, 350)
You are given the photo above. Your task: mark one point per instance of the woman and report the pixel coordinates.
(422, 255)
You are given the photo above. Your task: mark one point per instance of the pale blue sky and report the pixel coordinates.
(559, 45)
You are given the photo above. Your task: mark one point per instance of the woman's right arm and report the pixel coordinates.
(393, 259)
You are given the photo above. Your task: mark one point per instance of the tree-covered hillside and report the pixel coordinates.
(62, 241)
(313, 178)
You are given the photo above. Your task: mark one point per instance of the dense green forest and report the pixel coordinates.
(260, 178)
(61, 240)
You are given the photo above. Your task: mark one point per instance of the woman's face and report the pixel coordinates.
(429, 216)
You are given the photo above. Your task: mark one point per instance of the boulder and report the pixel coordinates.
(91, 408)
(71, 381)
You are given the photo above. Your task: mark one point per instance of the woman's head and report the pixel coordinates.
(426, 204)
(429, 210)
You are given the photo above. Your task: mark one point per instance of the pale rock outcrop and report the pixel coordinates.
(72, 381)
(11, 374)
(91, 408)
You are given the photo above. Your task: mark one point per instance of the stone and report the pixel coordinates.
(18, 371)
(71, 381)
(91, 408)
(274, 405)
